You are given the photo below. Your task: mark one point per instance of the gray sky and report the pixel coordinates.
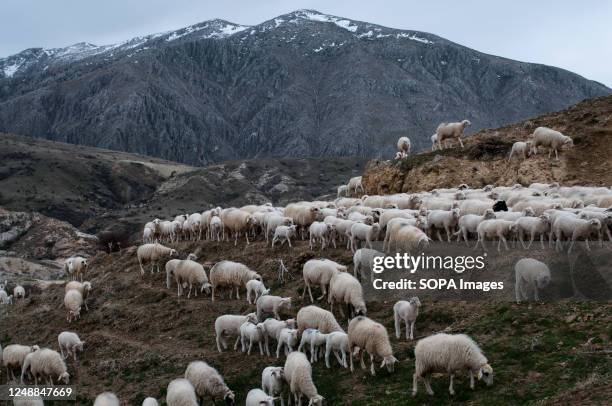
(571, 34)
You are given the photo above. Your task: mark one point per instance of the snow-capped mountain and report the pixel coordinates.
(301, 84)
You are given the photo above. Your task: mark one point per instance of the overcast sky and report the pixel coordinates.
(571, 34)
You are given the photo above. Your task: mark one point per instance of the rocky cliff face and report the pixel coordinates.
(303, 84)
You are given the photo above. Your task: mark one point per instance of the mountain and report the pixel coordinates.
(302, 84)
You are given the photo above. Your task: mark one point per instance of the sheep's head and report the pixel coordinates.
(292, 230)
(415, 301)
(389, 362)
(87, 286)
(466, 123)
(229, 398)
(192, 257)
(488, 214)
(456, 213)
(568, 141)
(360, 310)
(251, 318)
(576, 204)
(64, 377)
(287, 221)
(542, 281)
(206, 287)
(278, 372)
(256, 276)
(460, 196)
(485, 373)
(316, 400)
(463, 186)
(493, 196)
(595, 224)
(487, 188)
(545, 218)
(173, 253)
(517, 186)
(290, 323)
(285, 303)
(84, 263)
(529, 212)
(34, 348)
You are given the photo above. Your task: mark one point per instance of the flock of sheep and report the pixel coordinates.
(405, 222)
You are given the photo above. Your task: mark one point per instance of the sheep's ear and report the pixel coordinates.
(480, 373)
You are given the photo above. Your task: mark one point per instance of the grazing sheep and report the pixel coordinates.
(231, 274)
(448, 353)
(274, 220)
(150, 402)
(257, 288)
(272, 379)
(153, 253)
(181, 392)
(238, 221)
(408, 238)
(315, 340)
(451, 130)
(71, 343)
(363, 232)
(548, 138)
(437, 219)
(574, 228)
(396, 223)
(75, 267)
(342, 191)
(494, 228)
(19, 292)
(298, 374)
(188, 272)
(84, 288)
(372, 338)
(257, 397)
(272, 304)
(284, 233)
(520, 148)
(468, 224)
(321, 231)
(208, 382)
(287, 339)
(533, 226)
(273, 327)
(106, 399)
(403, 146)
(73, 300)
(336, 342)
(320, 319)
(254, 333)
(344, 288)
(355, 185)
(13, 356)
(532, 274)
(230, 324)
(406, 311)
(46, 364)
(319, 272)
(363, 261)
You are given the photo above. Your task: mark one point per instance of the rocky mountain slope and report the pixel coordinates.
(302, 84)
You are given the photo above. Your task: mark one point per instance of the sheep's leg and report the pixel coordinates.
(536, 296)
(556, 154)
(372, 369)
(238, 292)
(439, 235)
(246, 234)
(278, 348)
(236, 343)
(289, 241)
(351, 358)
(251, 347)
(430, 392)
(361, 360)
(517, 288)
(460, 142)
(267, 344)
(415, 380)
(261, 351)
(218, 340)
(310, 294)
(412, 330)
(327, 353)
(142, 271)
(471, 374)
(323, 288)
(448, 234)
(213, 293)
(451, 390)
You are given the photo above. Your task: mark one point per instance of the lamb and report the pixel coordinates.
(354, 185)
(287, 339)
(363, 232)
(449, 353)
(257, 288)
(343, 229)
(604, 217)
(272, 304)
(451, 130)
(230, 324)
(469, 224)
(317, 318)
(181, 392)
(321, 231)
(257, 397)
(207, 381)
(150, 402)
(106, 399)
(71, 343)
(19, 292)
(46, 364)
(533, 226)
(520, 148)
(406, 311)
(83, 288)
(13, 356)
(254, 333)
(231, 274)
(284, 233)
(409, 238)
(272, 221)
(215, 228)
(337, 342)
(363, 261)
(494, 228)
(371, 337)
(546, 137)
(316, 341)
(530, 273)
(574, 228)
(238, 222)
(319, 272)
(188, 272)
(153, 253)
(75, 267)
(298, 374)
(344, 288)
(73, 300)
(437, 219)
(272, 329)
(342, 191)
(272, 381)
(403, 146)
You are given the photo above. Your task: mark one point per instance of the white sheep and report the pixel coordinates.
(19, 292)
(70, 343)
(320, 319)
(363, 232)
(208, 382)
(189, 272)
(344, 288)
(342, 191)
(181, 392)
(237, 221)
(13, 356)
(46, 364)
(73, 300)
(605, 217)
(298, 374)
(494, 228)
(253, 333)
(451, 130)
(395, 224)
(533, 226)
(257, 288)
(284, 233)
(229, 324)
(532, 274)
(371, 337)
(5, 298)
(574, 228)
(303, 215)
(83, 287)
(316, 342)
(363, 261)
(231, 274)
(336, 342)
(150, 402)
(106, 399)
(355, 185)
(438, 219)
(257, 397)
(153, 253)
(408, 238)
(215, 228)
(406, 311)
(287, 339)
(148, 235)
(434, 141)
(319, 272)
(272, 304)
(75, 267)
(468, 224)
(320, 231)
(448, 353)
(520, 148)
(272, 329)
(272, 221)
(272, 379)
(403, 146)
(554, 140)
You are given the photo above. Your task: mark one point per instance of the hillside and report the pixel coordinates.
(304, 84)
